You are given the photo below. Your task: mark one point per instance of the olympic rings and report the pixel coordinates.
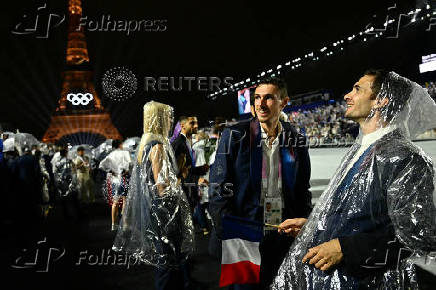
(80, 98)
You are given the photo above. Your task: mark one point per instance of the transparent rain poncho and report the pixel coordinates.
(64, 177)
(391, 185)
(72, 152)
(130, 144)
(23, 140)
(156, 225)
(102, 150)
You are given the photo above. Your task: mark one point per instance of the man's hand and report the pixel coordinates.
(185, 172)
(201, 181)
(204, 168)
(325, 256)
(292, 226)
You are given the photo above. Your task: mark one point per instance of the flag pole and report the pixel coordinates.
(270, 225)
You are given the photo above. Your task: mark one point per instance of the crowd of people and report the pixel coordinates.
(431, 88)
(324, 125)
(45, 175)
(246, 185)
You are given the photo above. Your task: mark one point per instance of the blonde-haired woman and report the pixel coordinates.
(156, 226)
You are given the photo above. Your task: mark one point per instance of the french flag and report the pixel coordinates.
(240, 262)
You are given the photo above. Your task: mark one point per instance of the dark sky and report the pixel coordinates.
(237, 39)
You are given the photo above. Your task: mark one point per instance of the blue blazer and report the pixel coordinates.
(236, 175)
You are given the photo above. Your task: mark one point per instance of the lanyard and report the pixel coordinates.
(272, 201)
(265, 175)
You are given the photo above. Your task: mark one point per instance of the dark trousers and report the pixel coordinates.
(71, 208)
(173, 278)
(273, 249)
(200, 214)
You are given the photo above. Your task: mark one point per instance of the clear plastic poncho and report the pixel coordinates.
(23, 140)
(102, 150)
(156, 225)
(65, 179)
(72, 152)
(117, 162)
(117, 165)
(390, 185)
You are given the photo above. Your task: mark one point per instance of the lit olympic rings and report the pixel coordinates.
(80, 98)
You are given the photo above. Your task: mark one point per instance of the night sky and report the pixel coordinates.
(237, 39)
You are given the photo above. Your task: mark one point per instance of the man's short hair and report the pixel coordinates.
(278, 82)
(184, 119)
(116, 143)
(80, 149)
(252, 90)
(63, 152)
(397, 89)
(379, 77)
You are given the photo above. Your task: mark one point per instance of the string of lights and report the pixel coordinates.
(327, 50)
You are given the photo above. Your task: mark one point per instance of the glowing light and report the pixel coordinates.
(119, 84)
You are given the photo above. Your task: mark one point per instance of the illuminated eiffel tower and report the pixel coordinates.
(80, 117)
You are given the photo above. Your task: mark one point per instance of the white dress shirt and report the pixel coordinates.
(271, 186)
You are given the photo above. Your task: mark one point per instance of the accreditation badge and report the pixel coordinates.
(272, 211)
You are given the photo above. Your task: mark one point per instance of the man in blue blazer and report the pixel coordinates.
(259, 159)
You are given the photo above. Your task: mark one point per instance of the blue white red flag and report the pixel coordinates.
(240, 262)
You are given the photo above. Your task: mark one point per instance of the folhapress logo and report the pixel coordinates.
(39, 24)
(39, 258)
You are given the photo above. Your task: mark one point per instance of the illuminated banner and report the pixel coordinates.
(428, 63)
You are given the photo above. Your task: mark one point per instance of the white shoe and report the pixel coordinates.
(114, 227)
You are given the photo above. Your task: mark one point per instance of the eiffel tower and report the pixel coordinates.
(79, 117)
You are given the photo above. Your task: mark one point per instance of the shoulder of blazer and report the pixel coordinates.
(241, 126)
(236, 132)
(180, 140)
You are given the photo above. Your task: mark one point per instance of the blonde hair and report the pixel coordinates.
(157, 122)
(157, 118)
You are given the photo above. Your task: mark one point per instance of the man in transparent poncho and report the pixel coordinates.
(156, 226)
(374, 225)
(67, 186)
